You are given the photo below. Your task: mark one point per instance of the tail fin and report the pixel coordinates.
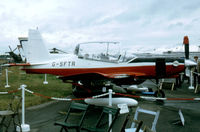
(36, 50)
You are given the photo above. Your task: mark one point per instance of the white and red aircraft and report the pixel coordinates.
(87, 74)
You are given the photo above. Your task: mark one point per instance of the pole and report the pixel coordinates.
(23, 105)
(110, 105)
(7, 86)
(45, 79)
(0, 72)
(24, 127)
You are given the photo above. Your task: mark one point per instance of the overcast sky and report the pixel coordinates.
(134, 23)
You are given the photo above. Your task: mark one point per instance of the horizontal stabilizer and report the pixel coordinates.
(16, 64)
(23, 64)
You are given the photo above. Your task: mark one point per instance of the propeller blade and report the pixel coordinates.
(10, 48)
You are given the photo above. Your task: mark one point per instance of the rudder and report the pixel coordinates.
(36, 49)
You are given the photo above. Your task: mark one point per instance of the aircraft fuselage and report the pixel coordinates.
(71, 66)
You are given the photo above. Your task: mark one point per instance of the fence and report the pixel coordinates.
(25, 127)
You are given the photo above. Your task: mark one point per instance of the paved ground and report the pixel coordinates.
(42, 118)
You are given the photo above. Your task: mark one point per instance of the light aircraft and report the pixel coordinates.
(16, 57)
(90, 75)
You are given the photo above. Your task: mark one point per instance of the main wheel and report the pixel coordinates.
(159, 94)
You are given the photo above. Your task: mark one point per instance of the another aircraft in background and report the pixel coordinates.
(16, 57)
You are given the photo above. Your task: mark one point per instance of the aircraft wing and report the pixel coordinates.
(81, 76)
(125, 75)
(102, 75)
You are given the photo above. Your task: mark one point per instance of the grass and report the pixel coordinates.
(34, 82)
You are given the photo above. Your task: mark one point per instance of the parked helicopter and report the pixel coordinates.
(89, 75)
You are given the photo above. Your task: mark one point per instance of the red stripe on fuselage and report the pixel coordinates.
(145, 70)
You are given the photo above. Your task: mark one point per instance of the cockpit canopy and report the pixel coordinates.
(102, 51)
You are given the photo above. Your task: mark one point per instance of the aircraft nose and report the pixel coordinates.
(190, 63)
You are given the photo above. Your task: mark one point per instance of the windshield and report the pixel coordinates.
(126, 57)
(103, 51)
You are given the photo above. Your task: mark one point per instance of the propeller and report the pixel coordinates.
(17, 58)
(11, 49)
(186, 43)
(188, 62)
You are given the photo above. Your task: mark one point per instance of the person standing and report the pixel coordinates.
(197, 70)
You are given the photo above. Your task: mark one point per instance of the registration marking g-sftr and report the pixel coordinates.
(63, 64)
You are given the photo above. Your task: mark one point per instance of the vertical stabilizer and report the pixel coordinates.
(36, 49)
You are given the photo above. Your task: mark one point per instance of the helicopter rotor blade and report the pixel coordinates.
(14, 49)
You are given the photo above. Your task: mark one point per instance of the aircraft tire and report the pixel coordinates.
(159, 93)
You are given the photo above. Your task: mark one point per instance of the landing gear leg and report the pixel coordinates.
(157, 81)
